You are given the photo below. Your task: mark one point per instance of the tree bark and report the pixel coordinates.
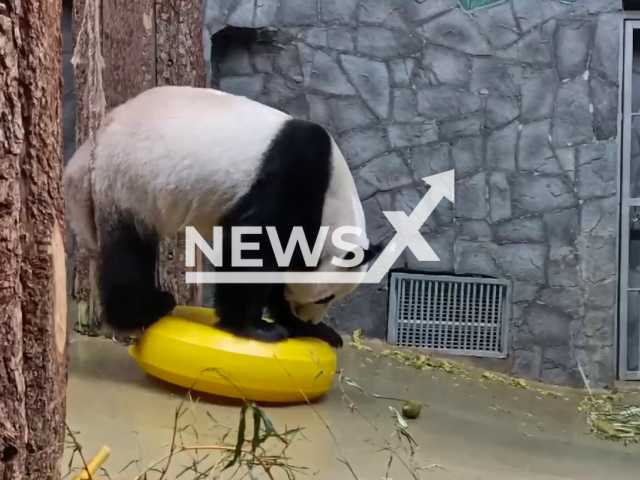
(83, 291)
(144, 43)
(179, 61)
(33, 308)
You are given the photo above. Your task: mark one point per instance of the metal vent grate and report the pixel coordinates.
(457, 315)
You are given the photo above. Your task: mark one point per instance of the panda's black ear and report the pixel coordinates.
(372, 252)
(369, 254)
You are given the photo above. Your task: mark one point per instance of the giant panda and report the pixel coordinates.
(173, 157)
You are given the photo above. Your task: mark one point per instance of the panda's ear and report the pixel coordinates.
(372, 252)
(369, 254)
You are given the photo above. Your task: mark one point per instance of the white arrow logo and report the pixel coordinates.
(407, 235)
(408, 228)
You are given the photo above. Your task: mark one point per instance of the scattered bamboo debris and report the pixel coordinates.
(610, 418)
(356, 341)
(520, 383)
(401, 425)
(247, 452)
(248, 448)
(423, 362)
(427, 362)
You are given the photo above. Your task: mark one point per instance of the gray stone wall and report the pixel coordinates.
(520, 98)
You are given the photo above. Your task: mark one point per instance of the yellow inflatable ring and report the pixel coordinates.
(187, 350)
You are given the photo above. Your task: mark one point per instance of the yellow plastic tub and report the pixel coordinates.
(187, 350)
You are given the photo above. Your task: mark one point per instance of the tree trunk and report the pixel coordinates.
(84, 266)
(33, 308)
(144, 44)
(179, 61)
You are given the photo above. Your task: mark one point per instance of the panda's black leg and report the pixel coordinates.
(128, 293)
(239, 306)
(287, 192)
(296, 327)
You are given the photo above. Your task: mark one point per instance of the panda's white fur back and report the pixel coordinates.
(178, 156)
(75, 181)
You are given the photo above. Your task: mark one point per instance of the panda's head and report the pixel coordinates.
(310, 301)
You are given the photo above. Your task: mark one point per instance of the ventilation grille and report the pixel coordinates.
(457, 315)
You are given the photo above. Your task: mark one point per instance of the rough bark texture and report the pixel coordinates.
(32, 278)
(13, 422)
(128, 49)
(179, 49)
(179, 61)
(84, 267)
(143, 44)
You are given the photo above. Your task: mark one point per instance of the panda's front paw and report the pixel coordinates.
(329, 335)
(164, 302)
(261, 331)
(269, 332)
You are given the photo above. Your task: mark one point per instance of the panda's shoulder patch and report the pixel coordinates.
(290, 184)
(297, 137)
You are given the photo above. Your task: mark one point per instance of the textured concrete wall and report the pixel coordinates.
(520, 98)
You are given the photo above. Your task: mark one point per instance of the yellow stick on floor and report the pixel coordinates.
(94, 464)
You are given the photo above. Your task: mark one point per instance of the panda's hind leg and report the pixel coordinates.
(127, 279)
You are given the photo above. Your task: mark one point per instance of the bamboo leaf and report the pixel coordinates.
(402, 423)
(257, 418)
(353, 384)
(240, 442)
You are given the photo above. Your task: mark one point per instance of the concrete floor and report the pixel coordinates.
(475, 429)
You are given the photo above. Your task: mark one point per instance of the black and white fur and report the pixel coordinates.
(179, 156)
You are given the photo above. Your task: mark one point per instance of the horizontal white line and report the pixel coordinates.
(278, 277)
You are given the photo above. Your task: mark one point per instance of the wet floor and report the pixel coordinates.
(472, 429)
